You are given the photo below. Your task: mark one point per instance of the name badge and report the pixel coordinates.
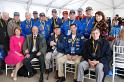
(69, 32)
(72, 50)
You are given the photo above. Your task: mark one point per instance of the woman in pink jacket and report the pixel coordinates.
(15, 56)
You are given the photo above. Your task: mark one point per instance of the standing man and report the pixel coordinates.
(80, 14)
(34, 47)
(15, 22)
(27, 24)
(73, 51)
(65, 16)
(4, 38)
(97, 55)
(87, 23)
(55, 20)
(43, 26)
(35, 15)
(65, 28)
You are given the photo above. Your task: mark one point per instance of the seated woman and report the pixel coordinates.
(97, 54)
(15, 56)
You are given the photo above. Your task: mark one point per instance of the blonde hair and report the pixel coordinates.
(121, 35)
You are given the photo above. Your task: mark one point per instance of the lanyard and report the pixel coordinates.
(42, 25)
(54, 21)
(95, 48)
(87, 23)
(28, 24)
(70, 22)
(73, 41)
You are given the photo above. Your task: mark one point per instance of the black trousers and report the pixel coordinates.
(27, 62)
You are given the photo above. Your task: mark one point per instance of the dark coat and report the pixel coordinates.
(103, 53)
(4, 38)
(60, 43)
(40, 44)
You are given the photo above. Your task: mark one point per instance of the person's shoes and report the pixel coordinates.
(61, 79)
(56, 74)
(30, 75)
(75, 80)
(14, 78)
(41, 78)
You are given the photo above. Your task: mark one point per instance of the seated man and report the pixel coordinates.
(73, 47)
(97, 54)
(55, 49)
(34, 47)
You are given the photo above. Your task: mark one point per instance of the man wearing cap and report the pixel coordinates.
(27, 24)
(43, 26)
(15, 22)
(35, 15)
(55, 20)
(55, 49)
(87, 23)
(65, 28)
(73, 50)
(65, 16)
(80, 14)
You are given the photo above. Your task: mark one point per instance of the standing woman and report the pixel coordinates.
(100, 23)
(15, 56)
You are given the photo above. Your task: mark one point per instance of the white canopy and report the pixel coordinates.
(109, 7)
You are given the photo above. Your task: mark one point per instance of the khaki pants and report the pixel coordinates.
(50, 56)
(62, 60)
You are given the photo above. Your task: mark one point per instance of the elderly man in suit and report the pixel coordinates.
(34, 47)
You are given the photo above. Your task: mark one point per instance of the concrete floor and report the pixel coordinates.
(35, 78)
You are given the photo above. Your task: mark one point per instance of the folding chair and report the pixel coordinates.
(118, 60)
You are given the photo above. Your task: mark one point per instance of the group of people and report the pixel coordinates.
(81, 39)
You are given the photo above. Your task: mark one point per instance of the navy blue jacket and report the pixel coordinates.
(78, 45)
(103, 53)
(60, 43)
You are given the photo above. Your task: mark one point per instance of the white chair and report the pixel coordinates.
(69, 67)
(89, 74)
(118, 60)
(35, 63)
(9, 67)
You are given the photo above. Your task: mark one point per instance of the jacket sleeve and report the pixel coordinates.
(25, 45)
(9, 28)
(12, 48)
(42, 46)
(107, 53)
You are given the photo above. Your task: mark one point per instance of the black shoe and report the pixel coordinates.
(30, 75)
(75, 80)
(41, 78)
(61, 79)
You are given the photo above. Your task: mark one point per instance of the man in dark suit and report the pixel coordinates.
(34, 47)
(97, 55)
